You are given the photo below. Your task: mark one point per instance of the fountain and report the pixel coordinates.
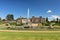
(28, 24)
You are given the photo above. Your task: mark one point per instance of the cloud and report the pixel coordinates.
(54, 17)
(49, 11)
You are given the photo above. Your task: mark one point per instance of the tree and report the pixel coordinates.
(3, 20)
(53, 21)
(0, 18)
(47, 19)
(10, 17)
(20, 16)
(57, 20)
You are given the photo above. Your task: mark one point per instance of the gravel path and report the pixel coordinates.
(25, 31)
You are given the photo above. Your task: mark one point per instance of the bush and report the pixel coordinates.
(19, 24)
(6, 24)
(46, 24)
(14, 24)
(40, 25)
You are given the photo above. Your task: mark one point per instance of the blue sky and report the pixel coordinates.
(44, 8)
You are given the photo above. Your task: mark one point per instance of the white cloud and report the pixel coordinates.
(53, 17)
(49, 11)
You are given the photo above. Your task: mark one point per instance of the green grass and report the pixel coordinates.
(29, 36)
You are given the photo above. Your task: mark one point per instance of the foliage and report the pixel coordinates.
(20, 24)
(57, 20)
(47, 19)
(0, 18)
(6, 24)
(3, 20)
(43, 24)
(13, 24)
(10, 17)
(40, 25)
(47, 24)
(58, 24)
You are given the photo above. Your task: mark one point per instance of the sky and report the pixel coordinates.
(44, 8)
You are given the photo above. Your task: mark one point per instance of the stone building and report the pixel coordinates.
(19, 20)
(24, 20)
(37, 19)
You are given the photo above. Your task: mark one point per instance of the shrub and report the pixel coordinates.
(6, 24)
(14, 24)
(46, 24)
(19, 24)
(40, 25)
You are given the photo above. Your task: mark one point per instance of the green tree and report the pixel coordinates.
(47, 19)
(3, 20)
(39, 25)
(0, 18)
(57, 20)
(53, 21)
(10, 17)
(20, 16)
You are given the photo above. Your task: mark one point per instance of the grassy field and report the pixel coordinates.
(29, 35)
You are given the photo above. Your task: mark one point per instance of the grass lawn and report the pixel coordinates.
(29, 35)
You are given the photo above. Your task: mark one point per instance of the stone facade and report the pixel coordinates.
(24, 20)
(32, 20)
(37, 19)
(19, 20)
